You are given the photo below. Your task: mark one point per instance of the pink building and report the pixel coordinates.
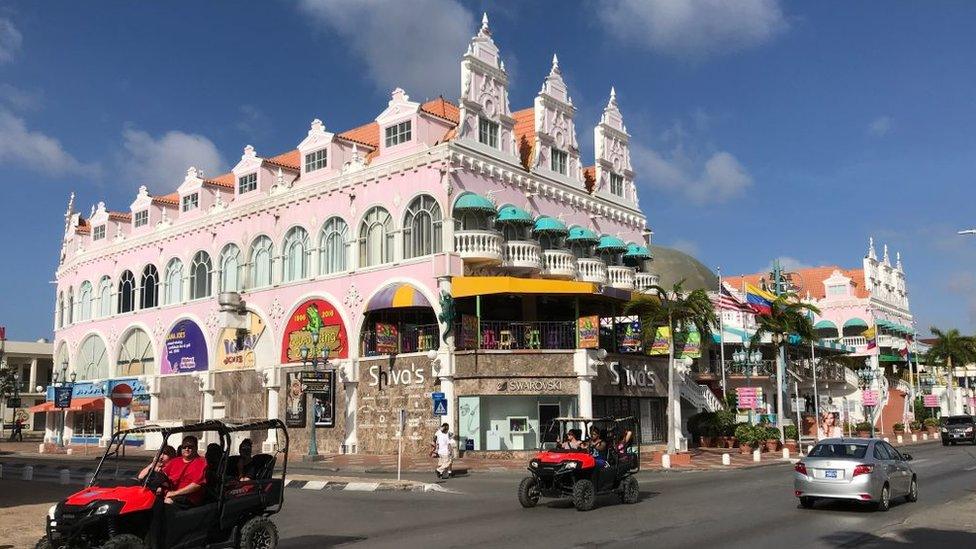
(438, 248)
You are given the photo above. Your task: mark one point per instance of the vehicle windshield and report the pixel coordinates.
(839, 450)
(959, 420)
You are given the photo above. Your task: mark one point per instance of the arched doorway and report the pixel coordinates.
(398, 319)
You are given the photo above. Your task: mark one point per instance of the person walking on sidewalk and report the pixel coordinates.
(441, 446)
(18, 431)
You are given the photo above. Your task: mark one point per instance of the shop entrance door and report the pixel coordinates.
(547, 414)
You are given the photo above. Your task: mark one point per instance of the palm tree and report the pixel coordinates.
(951, 347)
(788, 316)
(679, 311)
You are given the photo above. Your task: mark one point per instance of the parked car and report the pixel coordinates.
(958, 429)
(859, 469)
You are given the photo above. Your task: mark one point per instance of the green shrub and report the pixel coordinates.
(930, 422)
(725, 423)
(792, 433)
(863, 426)
(771, 433)
(899, 426)
(745, 433)
(698, 424)
(916, 425)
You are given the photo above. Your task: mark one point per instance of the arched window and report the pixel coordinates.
(105, 297)
(230, 269)
(92, 360)
(69, 307)
(135, 355)
(127, 292)
(85, 297)
(422, 227)
(376, 238)
(61, 358)
(260, 259)
(60, 311)
(149, 288)
(200, 282)
(294, 255)
(174, 282)
(332, 246)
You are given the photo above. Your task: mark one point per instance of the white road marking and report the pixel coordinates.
(362, 486)
(315, 485)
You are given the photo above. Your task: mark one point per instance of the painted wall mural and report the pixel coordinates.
(186, 349)
(315, 325)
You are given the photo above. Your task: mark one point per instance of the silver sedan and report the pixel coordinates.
(860, 469)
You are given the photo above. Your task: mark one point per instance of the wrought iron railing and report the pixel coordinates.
(410, 338)
(511, 335)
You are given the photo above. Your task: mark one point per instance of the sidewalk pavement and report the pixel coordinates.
(952, 524)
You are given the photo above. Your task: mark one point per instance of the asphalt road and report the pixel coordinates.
(747, 508)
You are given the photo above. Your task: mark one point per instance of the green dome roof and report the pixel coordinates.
(637, 252)
(608, 242)
(513, 214)
(471, 201)
(580, 234)
(676, 266)
(546, 224)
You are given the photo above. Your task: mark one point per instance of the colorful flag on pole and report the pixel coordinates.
(761, 301)
(904, 352)
(871, 334)
(725, 299)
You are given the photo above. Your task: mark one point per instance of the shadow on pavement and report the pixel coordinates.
(308, 542)
(14, 493)
(849, 506)
(920, 537)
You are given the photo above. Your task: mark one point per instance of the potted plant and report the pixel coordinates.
(744, 434)
(863, 429)
(725, 428)
(792, 438)
(916, 425)
(700, 427)
(771, 436)
(899, 428)
(931, 425)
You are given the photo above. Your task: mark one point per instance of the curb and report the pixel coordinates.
(351, 486)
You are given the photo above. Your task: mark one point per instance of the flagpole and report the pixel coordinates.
(816, 397)
(721, 336)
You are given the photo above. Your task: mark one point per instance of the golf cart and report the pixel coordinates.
(584, 473)
(117, 512)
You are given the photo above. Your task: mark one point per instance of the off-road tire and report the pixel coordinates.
(912, 492)
(884, 503)
(124, 541)
(945, 443)
(807, 502)
(43, 543)
(584, 495)
(259, 533)
(629, 490)
(528, 492)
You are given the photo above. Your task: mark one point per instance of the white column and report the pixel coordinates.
(585, 395)
(69, 430)
(32, 378)
(108, 425)
(153, 383)
(50, 428)
(272, 385)
(349, 377)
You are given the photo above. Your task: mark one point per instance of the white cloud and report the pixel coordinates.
(880, 126)
(714, 179)
(161, 162)
(10, 40)
(415, 45)
(693, 28)
(686, 246)
(19, 99)
(37, 151)
(788, 263)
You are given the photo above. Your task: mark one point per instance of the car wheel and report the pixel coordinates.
(807, 502)
(885, 502)
(584, 495)
(953, 443)
(125, 541)
(43, 543)
(629, 490)
(945, 442)
(912, 491)
(528, 492)
(259, 533)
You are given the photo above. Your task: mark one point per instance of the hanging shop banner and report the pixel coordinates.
(748, 398)
(930, 401)
(588, 332)
(629, 337)
(469, 331)
(294, 401)
(662, 338)
(686, 344)
(869, 397)
(387, 339)
(315, 325)
(235, 348)
(186, 349)
(320, 387)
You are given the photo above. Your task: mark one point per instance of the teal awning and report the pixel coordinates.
(637, 252)
(469, 201)
(856, 323)
(885, 324)
(513, 214)
(824, 324)
(546, 224)
(611, 243)
(580, 234)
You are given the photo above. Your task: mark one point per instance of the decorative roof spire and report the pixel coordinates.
(898, 260)
(485, 31)
(886, 260)
(71, 205)
(871, 253)
(555, 65)
(613, 97)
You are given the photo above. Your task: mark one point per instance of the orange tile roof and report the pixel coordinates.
(525, 134)
(442, 108)
(290, 160)
(367, 134)
(225, 181)
(809, 280)
(83, 226)
(589, 178)
(120, 216)
(171, 199)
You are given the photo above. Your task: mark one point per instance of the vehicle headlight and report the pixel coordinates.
(102, 509)
(51, 510)
(533, 463)
(944, 430)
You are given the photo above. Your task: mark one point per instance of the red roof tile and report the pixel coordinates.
(120, 216)
(290, 160)
(525, 134)
(368, 134)
(809, 280)
(225, 181)
(442, 108)
(171, 199)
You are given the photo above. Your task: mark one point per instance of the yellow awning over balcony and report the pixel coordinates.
(469, 286)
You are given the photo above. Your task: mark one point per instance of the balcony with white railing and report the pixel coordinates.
(558, 264)
(522, 254)
(854, 341)
(478, 246)
(621, 277)
(591, 269)
(644, 281)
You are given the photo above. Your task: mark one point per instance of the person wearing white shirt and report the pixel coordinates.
(441, 446)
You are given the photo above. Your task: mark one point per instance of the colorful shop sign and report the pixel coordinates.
(931, 401)
(469, 332)
(869, 397)
(588, 332)
(235, 348)
(186, 349)
(387, 339)
(686, 344)
(315, 325)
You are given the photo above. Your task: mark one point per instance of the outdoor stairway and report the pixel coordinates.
(698, 395)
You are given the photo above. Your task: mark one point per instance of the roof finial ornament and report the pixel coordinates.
(886, 261)
(871, 253)
(555, 64)
(71, 205)
(484, 25)
(898, 260)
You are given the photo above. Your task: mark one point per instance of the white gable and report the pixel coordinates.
(398, 108)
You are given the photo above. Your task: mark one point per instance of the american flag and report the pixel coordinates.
(724, 299)
(904, 352)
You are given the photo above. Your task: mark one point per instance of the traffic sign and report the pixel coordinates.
(121, 395)
(440, 404)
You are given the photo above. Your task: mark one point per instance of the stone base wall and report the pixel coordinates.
(180, 399)
(328, 439)
(387, 386)
(241, 394)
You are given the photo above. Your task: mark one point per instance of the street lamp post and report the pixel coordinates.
(64, 383)
(866, 375)
(747, 360)
(316, 361)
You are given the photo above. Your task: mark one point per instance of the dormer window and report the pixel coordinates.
(398, 133)
(488, 133)
(141, 218)
(616, 184)
(315, 160)
(558, 160)
(838, 290)
(247, 183)
(98, 233)
(190, 202)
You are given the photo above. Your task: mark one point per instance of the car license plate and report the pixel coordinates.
(830, 473)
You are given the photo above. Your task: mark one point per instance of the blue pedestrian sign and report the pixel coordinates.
(440, 404)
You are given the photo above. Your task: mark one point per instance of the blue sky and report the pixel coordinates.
(763, 130)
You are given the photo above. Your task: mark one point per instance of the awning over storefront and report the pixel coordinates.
(546, 224)
(469, 286)
(397, 295)
(469, 201)
(637, 252)
(856, 323)
(40, 408)
(581, 234)
(611, 243)
(77, 405)
(514, 214)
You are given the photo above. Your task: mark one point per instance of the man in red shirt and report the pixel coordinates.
(187, 474)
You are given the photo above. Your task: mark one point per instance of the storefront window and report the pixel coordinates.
(649, 411)
(87, 424)
(507, 423)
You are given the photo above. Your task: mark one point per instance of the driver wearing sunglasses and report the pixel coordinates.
(187, 474)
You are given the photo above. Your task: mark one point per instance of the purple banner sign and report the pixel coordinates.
(186, 350)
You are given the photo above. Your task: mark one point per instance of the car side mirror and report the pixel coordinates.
(908, 457)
